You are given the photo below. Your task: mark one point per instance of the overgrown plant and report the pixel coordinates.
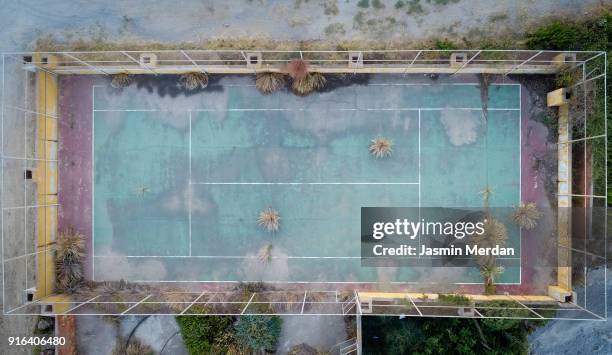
(489, 272)
(70, 249)
(269, 82)
(121, 80)
(135, 347)
(269, 219)
(258, 333)
(381, 147)
(526, 215)
(309, 83)
(194, 80)
(297, 68)
(454, 299)
(265, 254)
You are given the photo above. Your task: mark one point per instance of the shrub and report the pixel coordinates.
(258, 333)
(297, 69)
(454, 299)
(202, 334)
(192, 81)
(269, 82)
(556, 36)
(445, 45)
(363, 3)
(377, 4)
(501, 309)
(70, 250)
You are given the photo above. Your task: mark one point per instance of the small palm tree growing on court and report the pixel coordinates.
(489, 272)
(495, 233)
(70, 249)
(381, 147)
(526, 215)
(311, 82)
(269, 82)
(265, 254)
(121, 80)
(194, 80)
(269, 219)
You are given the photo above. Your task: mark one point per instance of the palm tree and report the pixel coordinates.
(309, 83)
(194, 80)
(489, 272)
(70, 249)
(526, 215)
(381, 147)
(121, 80)
(495, 233)
(269, 82)
(265, 254)
(269, 219)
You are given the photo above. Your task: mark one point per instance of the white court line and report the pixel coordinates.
(312, 282)
(93, 181)
(189, 188)
(305, 183)
(312, 110)
(256, 257)
(520, 178)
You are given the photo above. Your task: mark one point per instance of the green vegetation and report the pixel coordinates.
(363, 3)
(399, 4)
(454, 299)
(258, 333)
(414, 7)
(206, 334)
(378, 4)
(444, 335)
(591, 35)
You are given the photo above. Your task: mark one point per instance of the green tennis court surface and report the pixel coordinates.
(179, 181)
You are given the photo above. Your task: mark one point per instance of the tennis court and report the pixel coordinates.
(179, 180)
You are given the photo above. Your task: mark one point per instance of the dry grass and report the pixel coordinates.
(134, 348)
(269, 219)
(310, 83)
(194, 80)
(269, 82)
(121, 80)
(526, 215)
(381, 147)
(70, 249)
(297, 69)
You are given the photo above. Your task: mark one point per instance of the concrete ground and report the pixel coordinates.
(98, 336)
(320, 332)
(194, 20)
(15, 326)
